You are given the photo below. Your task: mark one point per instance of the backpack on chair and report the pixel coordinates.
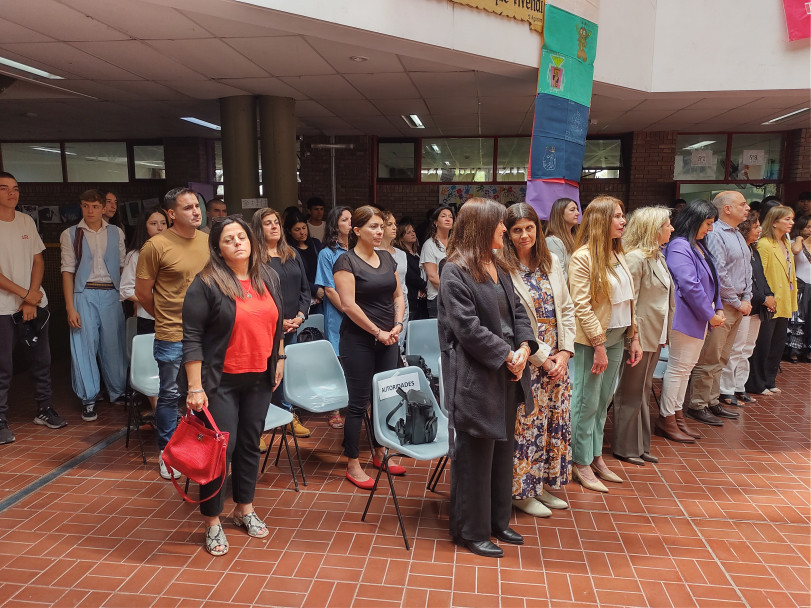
(420, 423)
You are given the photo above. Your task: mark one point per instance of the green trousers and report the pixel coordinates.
(591, 394)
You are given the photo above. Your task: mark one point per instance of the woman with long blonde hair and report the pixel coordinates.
(647, 232)
(602, 291)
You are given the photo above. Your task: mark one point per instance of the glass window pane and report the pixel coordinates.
(600, 174)
(97, 161)
(700, 157)
(218, 161)
(395, 161)
(468, 159)
(707, 192)
(33, 162)
(513, 159)
(603, 154)
(148, 162)
(756, 156)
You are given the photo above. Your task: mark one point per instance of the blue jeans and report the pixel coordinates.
(168, 356)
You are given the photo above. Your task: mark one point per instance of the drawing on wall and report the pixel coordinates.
(49, 214)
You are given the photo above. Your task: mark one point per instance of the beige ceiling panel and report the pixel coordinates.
(308, 109)
(457, 121)
(264, 86)
(412, 64)
(211, 57)
(399, 107)
(452, 105)
(23, 89)
(65, 60)
(139, 58)
(491, 85)
(203, 89)
(490, 105)
(384, 86)
(12, 32)
(227, 28)
(58, 21)
(338, 55)
(323, 87)
(351, 108)
(282, 56)
(142, 20)
(376, 125)
(332, 125)
(144, 89)
(452, 84)
(507, 123)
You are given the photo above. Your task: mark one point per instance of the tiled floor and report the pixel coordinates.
(724, 522)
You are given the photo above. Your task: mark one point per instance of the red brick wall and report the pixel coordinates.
(353, 170)
(799, 151)
(651, 171)
(188, 159)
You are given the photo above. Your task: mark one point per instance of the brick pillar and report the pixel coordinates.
(188, 159)
(652, 157)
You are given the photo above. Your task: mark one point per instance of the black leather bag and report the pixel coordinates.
(309, 334)
(420, 423)
(418, 361)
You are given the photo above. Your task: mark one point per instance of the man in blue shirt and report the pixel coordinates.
(732, 263)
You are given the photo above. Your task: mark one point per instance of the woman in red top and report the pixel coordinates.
(233, 356)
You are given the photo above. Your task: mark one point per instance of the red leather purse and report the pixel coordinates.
(197, 451)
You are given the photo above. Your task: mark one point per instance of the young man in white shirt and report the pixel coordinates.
(92, 259)
(315, 223)
(21, 296)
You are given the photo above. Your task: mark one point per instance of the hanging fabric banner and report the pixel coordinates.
(531, 11)
(565, 77)
(798, 19)
(542, 193)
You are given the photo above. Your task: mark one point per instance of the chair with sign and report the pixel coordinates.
(144, 379)
(381, 408)
(422, 338)
(443, 462)
(280, 419)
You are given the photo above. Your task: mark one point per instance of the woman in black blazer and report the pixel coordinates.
(233, 359)
(486, 338)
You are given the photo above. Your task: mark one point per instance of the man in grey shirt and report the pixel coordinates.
(731, 258)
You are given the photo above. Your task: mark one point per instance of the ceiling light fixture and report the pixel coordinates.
(435, 148)
(202, 123)
(358, 58)
(700, 144)
(27, 68)
(784, 116)
(52, 150)
(413, 121)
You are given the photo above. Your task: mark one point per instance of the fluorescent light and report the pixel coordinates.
(202, 123)
(27, 68)
(53, 150)
(448, 163)
(700, 144)
(413, 121)
(435, 148)
(784, 116)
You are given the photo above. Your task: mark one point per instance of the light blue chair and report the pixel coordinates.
(316, 320)
(422, 338)
(659, 371)
(144, 379)
(279, 419)
(389, 440)
(313, 377)
(443, 462)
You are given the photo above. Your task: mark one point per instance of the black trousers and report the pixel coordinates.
(239, 408)
(433, 308)
(765, 359)
(39, 362)
(482, 477)
(362, 356)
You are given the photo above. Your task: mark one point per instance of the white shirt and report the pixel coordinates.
(802, 267)
(317, 232)
(127, 289)
(97, 240)
(622, 294)
(19, 243)
(433, 252)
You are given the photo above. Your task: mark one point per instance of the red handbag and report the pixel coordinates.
(198, 452)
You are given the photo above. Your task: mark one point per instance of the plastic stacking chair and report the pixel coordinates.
(422, 338)
(313, 378)
(443, 462)
(316, 320)
(131, 328)
(144, 379)
(389, 440)
(659, 371)
(279, 419)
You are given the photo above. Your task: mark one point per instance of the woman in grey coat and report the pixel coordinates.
(486, 339)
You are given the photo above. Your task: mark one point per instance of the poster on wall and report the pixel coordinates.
(526, 10)
(49, 214)
(31, 210)
(455, 194)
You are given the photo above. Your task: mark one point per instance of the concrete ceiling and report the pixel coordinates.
(132, 68)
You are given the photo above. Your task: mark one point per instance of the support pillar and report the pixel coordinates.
(240, 156)
(277, 128)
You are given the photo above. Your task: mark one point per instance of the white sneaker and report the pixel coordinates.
(164, 471)
(531, 506)
(551, 501)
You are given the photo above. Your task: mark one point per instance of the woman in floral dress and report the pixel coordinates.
(543, 432)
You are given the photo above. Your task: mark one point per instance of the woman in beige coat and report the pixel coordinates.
(648, 230)
(543, 435)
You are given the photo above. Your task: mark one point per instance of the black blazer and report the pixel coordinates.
(474, 351)
(208, 319)
(760, 286)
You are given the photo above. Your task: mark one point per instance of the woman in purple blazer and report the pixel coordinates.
(698, 303)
